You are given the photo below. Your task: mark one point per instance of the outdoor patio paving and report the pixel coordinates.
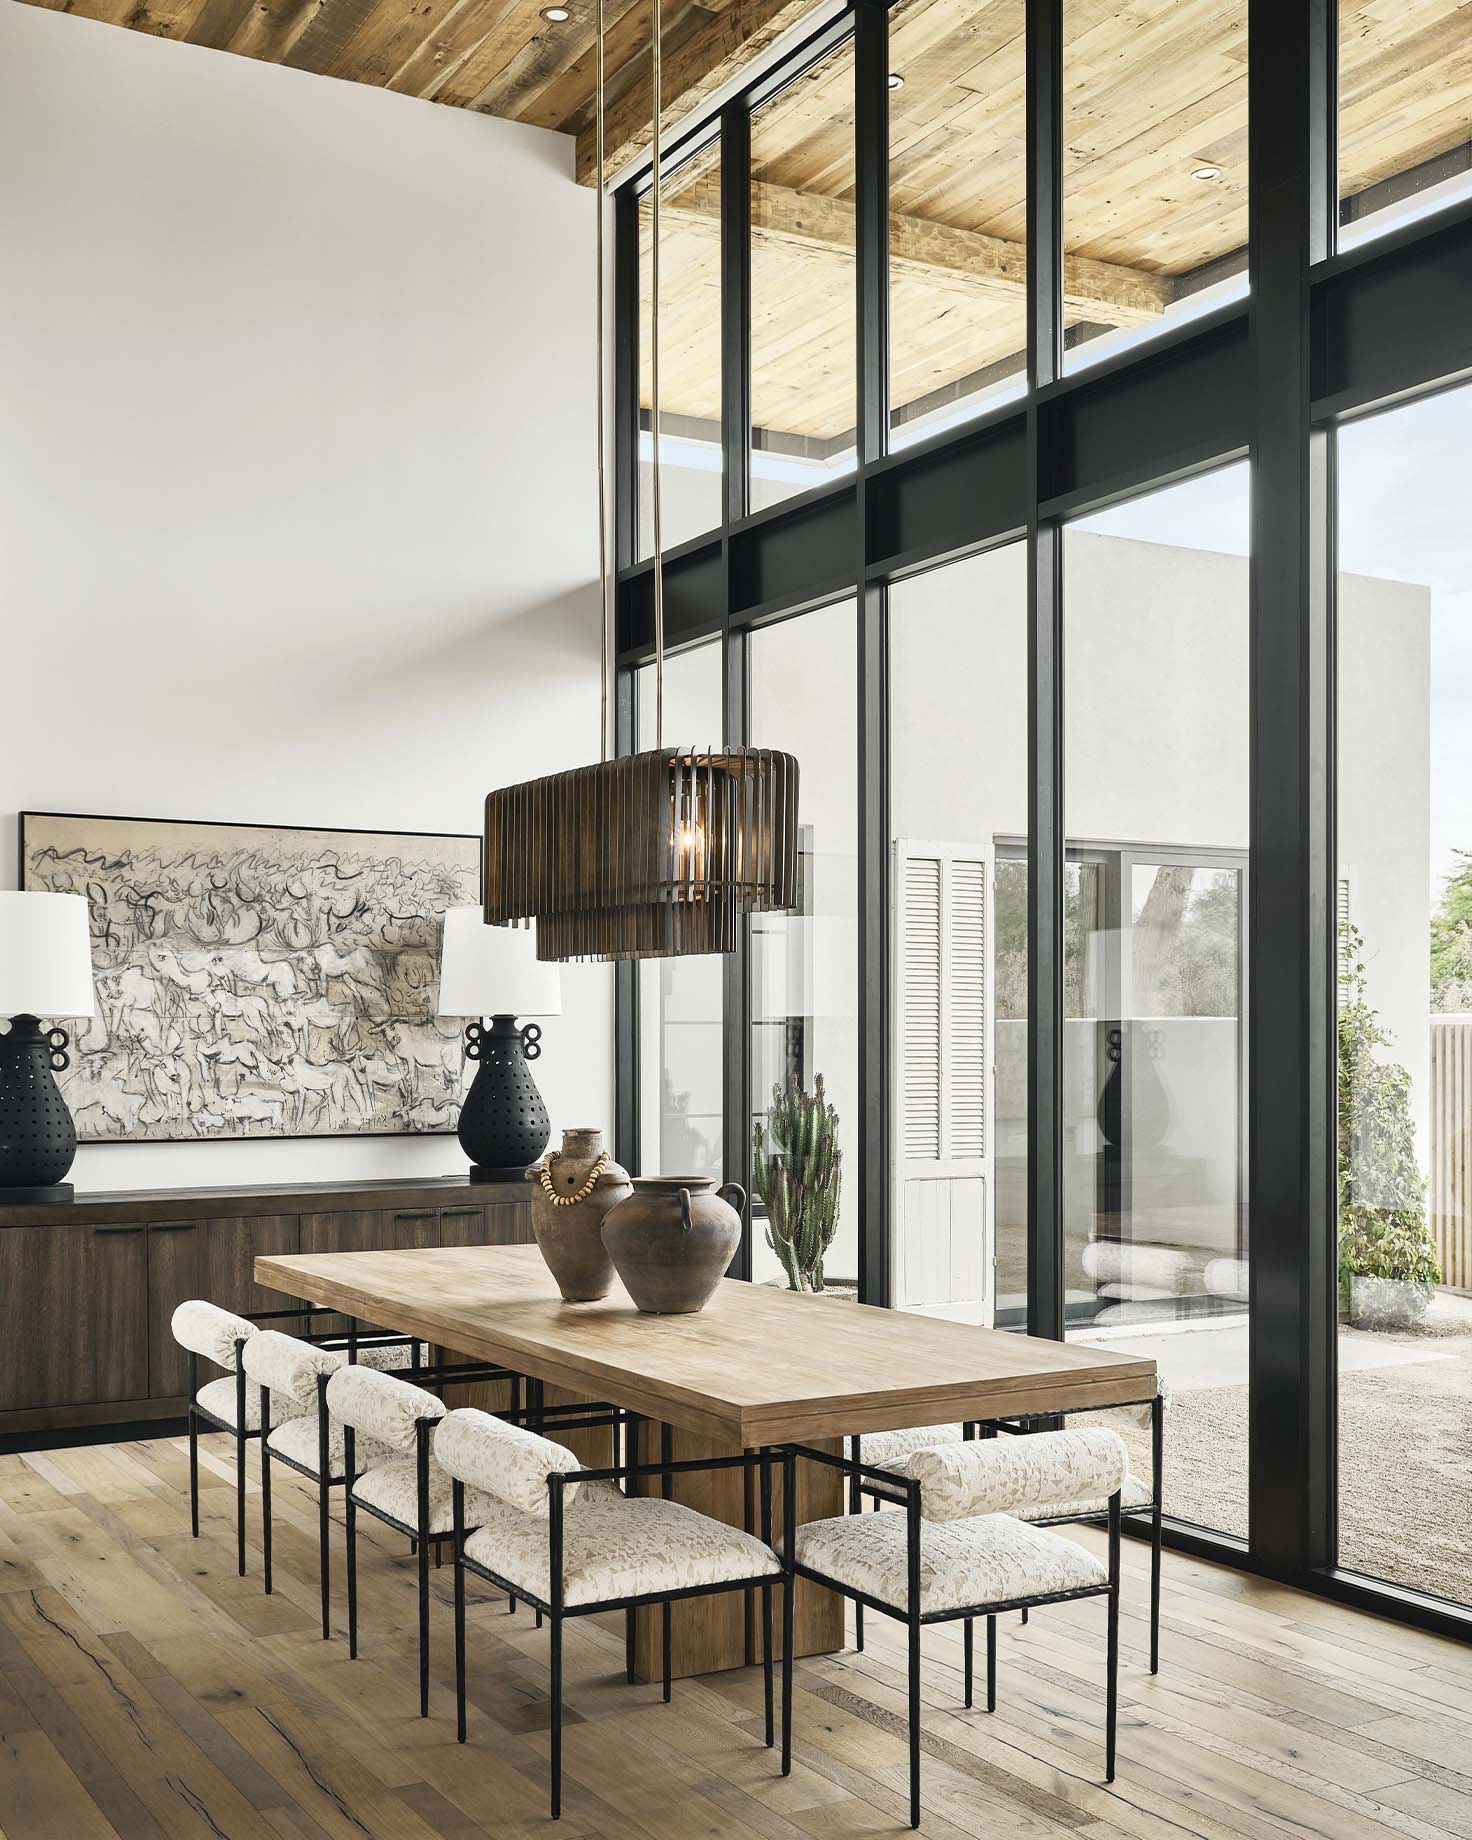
(1405, 1463)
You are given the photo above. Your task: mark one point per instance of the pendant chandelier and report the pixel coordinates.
(653, 855)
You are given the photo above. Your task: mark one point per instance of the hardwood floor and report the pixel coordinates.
(147, 1691)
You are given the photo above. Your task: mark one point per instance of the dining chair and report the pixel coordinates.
(206, 1332)
(961, 1550)
(572, 1544)
(408, 1491)
(1139, 1500)
(296, 1429)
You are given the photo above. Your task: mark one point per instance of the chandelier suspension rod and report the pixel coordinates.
(656, 500)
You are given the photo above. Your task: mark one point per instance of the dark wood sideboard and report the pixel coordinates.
(87, 1287)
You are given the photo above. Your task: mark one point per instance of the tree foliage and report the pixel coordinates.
(1451, 942)
(1382, 1193)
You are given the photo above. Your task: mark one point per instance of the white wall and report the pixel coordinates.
(296, 477)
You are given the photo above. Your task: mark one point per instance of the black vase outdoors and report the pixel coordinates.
(38, 1141)
(503, 1122)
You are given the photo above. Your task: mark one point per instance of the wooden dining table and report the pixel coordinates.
(756, 1368)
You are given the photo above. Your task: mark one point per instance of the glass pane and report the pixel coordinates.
(680, 999)
(689, 354)
(958, 211)
(804, 965)
(958, 815)
(1405, 111)
(1404, 621)
(1155, 167)
(1156, 807)
(803, 280)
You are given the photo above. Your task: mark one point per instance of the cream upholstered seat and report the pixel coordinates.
(382, 1357)
(617, 1546)
(614, 1546)
(1134, 1494)
(217, 1397)
(986, 1559)
(879, 1449)
(297, 1440)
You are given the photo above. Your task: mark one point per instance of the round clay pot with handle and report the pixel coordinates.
(672, 1240)
(572, 1191)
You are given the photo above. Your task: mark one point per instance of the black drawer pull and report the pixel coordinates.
(173, 1226)
(418, 1214)
(456, 1213)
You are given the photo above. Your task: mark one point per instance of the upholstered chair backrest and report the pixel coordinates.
(380, 1406)
(999, 1475)
(204, 1328)
(492, 1454)
(283, 1364)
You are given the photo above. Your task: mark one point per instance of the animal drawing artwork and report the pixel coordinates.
(258, 982)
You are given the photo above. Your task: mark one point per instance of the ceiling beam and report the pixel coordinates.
(728, 40)
(971, 261)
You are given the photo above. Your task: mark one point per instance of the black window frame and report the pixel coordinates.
(1321, 338)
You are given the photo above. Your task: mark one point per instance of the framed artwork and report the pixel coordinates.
(257, 980)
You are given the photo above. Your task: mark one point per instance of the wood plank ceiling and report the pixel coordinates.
(1155, 94)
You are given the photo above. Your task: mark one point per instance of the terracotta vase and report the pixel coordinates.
(569, 1234)
(672, 1240)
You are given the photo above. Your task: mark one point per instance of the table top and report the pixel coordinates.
(756, 1366)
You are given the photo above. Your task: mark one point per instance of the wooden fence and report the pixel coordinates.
(1450, 1198)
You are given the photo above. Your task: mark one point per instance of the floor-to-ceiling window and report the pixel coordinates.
(804, 964)
(1155, 942)
(1404, 618)
(802, 283)
(690, 471)
(958, 211)
(958, 824)
(1405, 112)
(964, 537)
(680, 999)
(1155, 167)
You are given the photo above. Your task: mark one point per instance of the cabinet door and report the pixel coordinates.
(367, 1230)
(75, 1324)
(509, 1223)
(505, 1223)
(213, 1259)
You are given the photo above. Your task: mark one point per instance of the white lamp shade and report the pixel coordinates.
(494, 970)
(45, 955)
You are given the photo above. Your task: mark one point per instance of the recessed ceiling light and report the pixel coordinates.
(557, 15)
(1207, 172)
(896, 81)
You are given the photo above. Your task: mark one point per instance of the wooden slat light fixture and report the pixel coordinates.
(651, 856)
(654, 855)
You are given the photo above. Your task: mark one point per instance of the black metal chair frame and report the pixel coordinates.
(198, 1414)
(561, 1418)
(557, 1611)
(1143, 1510)
(915, 1619)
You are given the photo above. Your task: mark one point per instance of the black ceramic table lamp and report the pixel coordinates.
(494, 972)
(45, 970)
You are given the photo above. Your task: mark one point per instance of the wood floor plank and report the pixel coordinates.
(149, 1693)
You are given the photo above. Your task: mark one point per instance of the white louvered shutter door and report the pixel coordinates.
(942, 1018)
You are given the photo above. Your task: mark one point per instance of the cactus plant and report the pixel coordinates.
(797, 1170)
